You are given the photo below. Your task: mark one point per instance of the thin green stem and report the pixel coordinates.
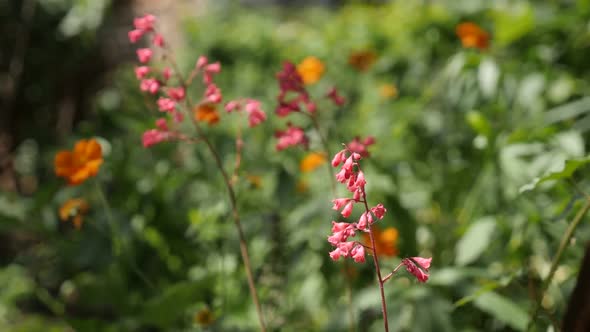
(118, 245)
(565, 240)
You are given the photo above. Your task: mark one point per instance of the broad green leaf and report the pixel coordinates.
(568, 170)
(502, 309)
(475, 241)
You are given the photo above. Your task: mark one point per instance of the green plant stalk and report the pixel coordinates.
(565, 240)
(228, 184)
(238, 224)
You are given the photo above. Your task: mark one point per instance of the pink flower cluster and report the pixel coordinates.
(252, 108)
(354, 178)
(360, 147)
(292, 96)
(212, 93)
(290, 137)
(156, 81)
(155, 136)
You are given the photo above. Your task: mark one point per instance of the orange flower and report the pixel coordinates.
(388, 91)
(310, 69)
(312, 161)
(472, 35)
(385, 241)
(207, 113)
(255, 181)
(362, 60)
(204, 317)
(81, 163)
(75, 209)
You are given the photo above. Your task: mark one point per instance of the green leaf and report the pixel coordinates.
(502, 309)
(475, 241)
(512, 23)
(570, 167)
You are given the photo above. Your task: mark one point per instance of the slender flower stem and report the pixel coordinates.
(377, 268)
(241, 236)
(115, 230)
(232, 198)
(565, 240)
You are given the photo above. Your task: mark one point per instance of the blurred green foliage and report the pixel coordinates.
(457, 149)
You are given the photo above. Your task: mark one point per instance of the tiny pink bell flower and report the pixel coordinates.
(144, 54)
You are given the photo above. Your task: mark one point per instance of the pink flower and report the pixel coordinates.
(347, 209)
(356, 195)
(341, 231)
(291, 137)
(423, 262)
(335, 97)
(149, 85)
(366, 218)
(141, 71)
(162, 124)
(158, 40)
(213, 68)
(339, 158)
(134, 35)
(167, 73)
(232, 106)
(213, 94)
(144, 54)
(145, 23)
(360, 147)
(154, 136)
(201, 62)
(379, 211)
(177, 94)
(339, 203)
(358, 254)
(343, 175)
(255, 114)
(166, 104)
(360, 179)
(418, 268)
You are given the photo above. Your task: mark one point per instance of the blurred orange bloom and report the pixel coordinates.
(312, 161)
(204, 317)
(78, 165)
(310, 69)
(75, 209)
(388, 91)
(385, 241)
(207, 113)
(472, 35)
(362, 60)
(255, 181)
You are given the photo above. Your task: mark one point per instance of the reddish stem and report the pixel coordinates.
(376, 261)
(231, 193)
